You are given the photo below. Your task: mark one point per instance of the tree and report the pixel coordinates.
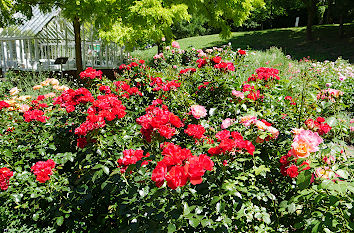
(311, 10)
(343, 8)
(5, 12)
(8, 10)
(271, 12)
(135, 21)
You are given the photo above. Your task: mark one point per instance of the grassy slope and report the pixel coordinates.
(326, 44)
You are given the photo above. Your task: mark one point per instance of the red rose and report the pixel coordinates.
(43, 169)
(159, 173)
(284, 160)
(176, 177)
(324, 128)
(223, 135)
(217, 59)
(292, 171)
(5, 175)
(283, 170)
(214, 151)
(227, 145)
(81, 142)
(195, 131)
(241, 52)
(320, 119)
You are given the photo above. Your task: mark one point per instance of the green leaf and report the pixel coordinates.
(291, 208)
(215, 199)
(104, 184)
(35, 216)
(171, 227)
(315, 228)
(186, 209)
(41, 151)
(207, 222)
(342, 173)
(194, 222)
(304, 179)
(17, 197)
(332, 121)
(8, 153)
(326, 184)
(144, 191)
(299, 225)
(97, 166)
(105, 169)
(60, 220)
(261, 169)
(266, 218)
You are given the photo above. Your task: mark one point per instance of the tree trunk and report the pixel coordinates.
(329, 12)
(341, 31)
(310, 15)
(78, 53)
(159, 47)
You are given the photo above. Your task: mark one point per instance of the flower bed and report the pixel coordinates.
(201, 140)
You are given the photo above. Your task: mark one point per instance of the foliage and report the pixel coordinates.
(149, 21)
(273, 11)
(291, 40)
(199, 141)
(196, 26)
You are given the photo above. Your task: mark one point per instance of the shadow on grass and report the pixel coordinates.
(326, 44)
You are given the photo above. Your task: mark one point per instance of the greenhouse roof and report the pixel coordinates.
(31, 27)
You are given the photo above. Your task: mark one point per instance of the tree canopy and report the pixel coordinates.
(131, 22)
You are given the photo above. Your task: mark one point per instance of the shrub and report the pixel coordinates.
(207, 140)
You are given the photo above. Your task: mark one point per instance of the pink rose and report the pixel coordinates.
(248, 120)
(49, 95)
(24, 108)
(227, 123)
(202, 54)
(329, 160)
(198, 111)
(175, 44)
(311, 138)
(322, 172)
(273, 131)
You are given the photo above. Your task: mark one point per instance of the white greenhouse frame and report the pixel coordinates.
(34, 45)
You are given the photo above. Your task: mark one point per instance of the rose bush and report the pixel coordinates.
(208, 140)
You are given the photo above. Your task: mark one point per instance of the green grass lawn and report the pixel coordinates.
(325, 46)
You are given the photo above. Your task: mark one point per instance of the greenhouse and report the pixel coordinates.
(39, 41)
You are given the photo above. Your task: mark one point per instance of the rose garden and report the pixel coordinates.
(210, 140)
(176, 116)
